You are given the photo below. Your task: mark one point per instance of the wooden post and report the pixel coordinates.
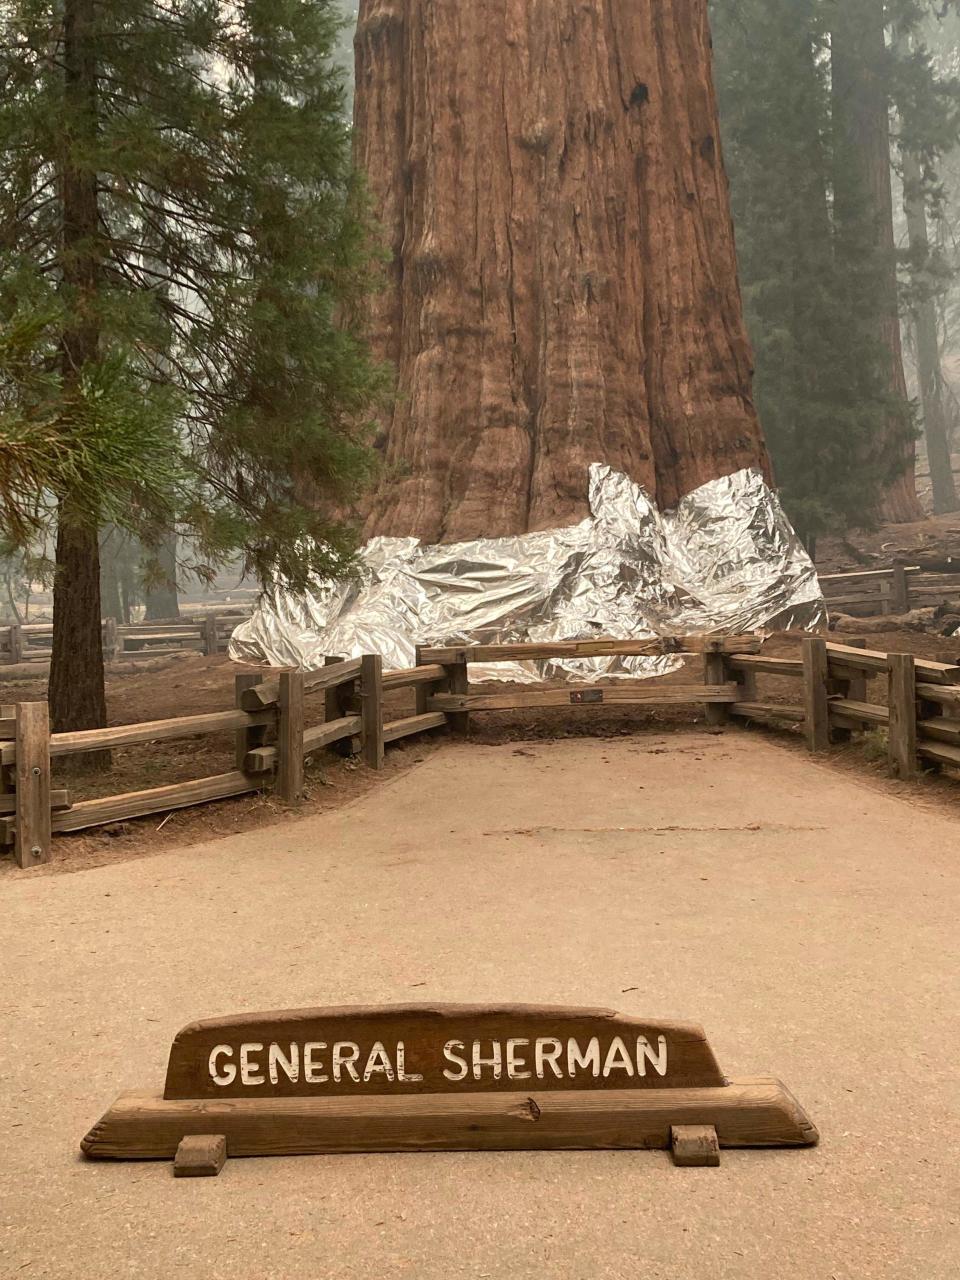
(33, 841)
(901, 589)
(8, 773)
(852, 686)
(421, 691)
(111, 640)
(816, 702)
(211, 639)
(715, 672)
(337, 703)
(290, 738)
(747, 690)
(16, 643)
(902, 733)
(247, 739)
(371, 708)
(458, 681)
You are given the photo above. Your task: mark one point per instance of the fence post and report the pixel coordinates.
(16, 643)
(458, 681)
(747, 690)
(211, 639)
(715, 672)
(33, 839)
(290, 738)
(852, 686)
(421, 692)
(816, 701)
(247, 739)
(902, 730)
(371, 708)
(111, 640)
(338, 702)
(901, 588)
(8, 772)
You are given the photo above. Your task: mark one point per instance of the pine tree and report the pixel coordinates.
(182, 255)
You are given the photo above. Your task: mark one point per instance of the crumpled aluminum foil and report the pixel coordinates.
(725, 561)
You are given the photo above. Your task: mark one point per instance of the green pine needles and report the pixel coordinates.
(183, 255)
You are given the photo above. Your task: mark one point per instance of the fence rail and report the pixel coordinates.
(872, 592)
(30, 642)
(273, 738)
(921, 714)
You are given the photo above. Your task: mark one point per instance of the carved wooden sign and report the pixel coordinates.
(412, 1049)
(443, 1077)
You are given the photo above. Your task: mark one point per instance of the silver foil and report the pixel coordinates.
(725, 561)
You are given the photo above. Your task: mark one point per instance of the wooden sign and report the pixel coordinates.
(443, 1077)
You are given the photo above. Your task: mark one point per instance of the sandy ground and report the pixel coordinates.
(807, 919)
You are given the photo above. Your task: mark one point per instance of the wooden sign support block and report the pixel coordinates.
(695, 1146)
(444, 1078)
(201, 1155)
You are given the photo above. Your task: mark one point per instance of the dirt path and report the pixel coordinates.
(807, 920)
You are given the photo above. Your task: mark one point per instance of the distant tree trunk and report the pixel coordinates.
(863, 192)
(563, 284)
(929, 370)
(111, 605)
(162, 601)
(76, 689)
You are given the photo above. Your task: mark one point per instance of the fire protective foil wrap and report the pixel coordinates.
(725, 561)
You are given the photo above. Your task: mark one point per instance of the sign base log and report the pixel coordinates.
(695, 1146)
(756, 1112)
(201, 1155)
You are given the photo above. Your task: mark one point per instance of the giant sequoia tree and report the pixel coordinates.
(562, 285)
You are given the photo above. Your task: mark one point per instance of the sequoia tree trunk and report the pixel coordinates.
(864, 208)
(562, 287)
(926, 330)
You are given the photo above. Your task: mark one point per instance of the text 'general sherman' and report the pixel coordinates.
(543, 1058)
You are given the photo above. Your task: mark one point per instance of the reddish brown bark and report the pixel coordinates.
(562, 286)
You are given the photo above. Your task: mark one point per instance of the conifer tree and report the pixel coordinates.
(820, 382)
(861, 66)
(927, 126)
(182, 255)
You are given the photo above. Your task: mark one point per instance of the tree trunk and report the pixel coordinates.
(562, 287)
(76, 690)
(111, 605)
(77, 698)
(929, 371)
(162, 601)
(863, 192)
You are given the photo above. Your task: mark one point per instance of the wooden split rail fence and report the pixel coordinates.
(273, 738)
(874, 592)
(921, 715)
(272, 742)
(31, 642)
